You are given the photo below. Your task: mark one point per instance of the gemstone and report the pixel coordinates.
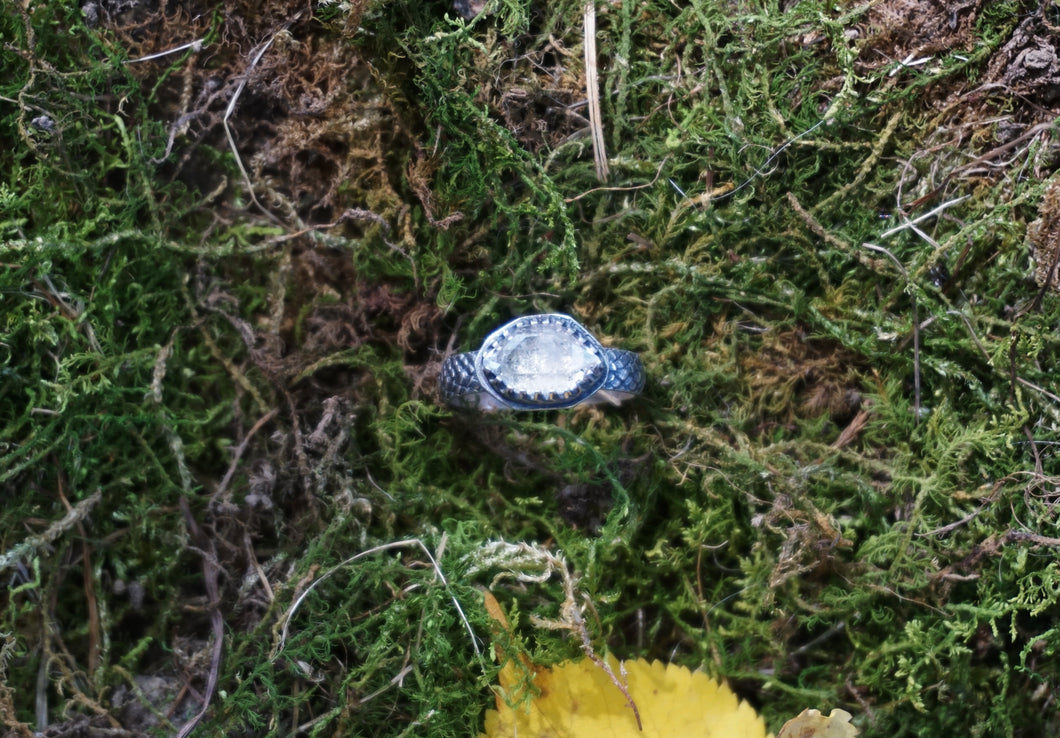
(543, 361)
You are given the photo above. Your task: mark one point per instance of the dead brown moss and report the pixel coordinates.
(312, 127)
(907, 30)
(315, 127)
(977, 130)
(796, 376)
(1044, 237)
(538, 92)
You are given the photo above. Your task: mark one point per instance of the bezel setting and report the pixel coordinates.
(541, 362)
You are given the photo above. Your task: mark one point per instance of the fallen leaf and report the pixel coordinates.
(812, 724)
(577, 699)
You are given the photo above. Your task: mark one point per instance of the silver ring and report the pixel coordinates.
(540, 362)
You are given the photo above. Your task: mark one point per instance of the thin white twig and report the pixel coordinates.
(769, 160)
(925, 216)
(909, 61)
(971, 332)
(409, 542)
(228, 129)
(232, 106)
(195, 46)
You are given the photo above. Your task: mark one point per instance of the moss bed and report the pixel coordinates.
(238, 239)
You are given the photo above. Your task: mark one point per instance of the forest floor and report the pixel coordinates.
(238, 240)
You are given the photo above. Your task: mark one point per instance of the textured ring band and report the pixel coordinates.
(540, 362)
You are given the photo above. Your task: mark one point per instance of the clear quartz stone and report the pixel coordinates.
(542, 361)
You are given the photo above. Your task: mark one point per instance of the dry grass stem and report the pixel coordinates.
(592, 89)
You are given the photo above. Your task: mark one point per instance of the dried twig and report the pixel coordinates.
(985, 158)
(921, 218)
(195, 46)
(228, 129)
(211, 569)
(232, 106)
(529, 563)
(32, 544)
(242, 447)
(654, 179)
